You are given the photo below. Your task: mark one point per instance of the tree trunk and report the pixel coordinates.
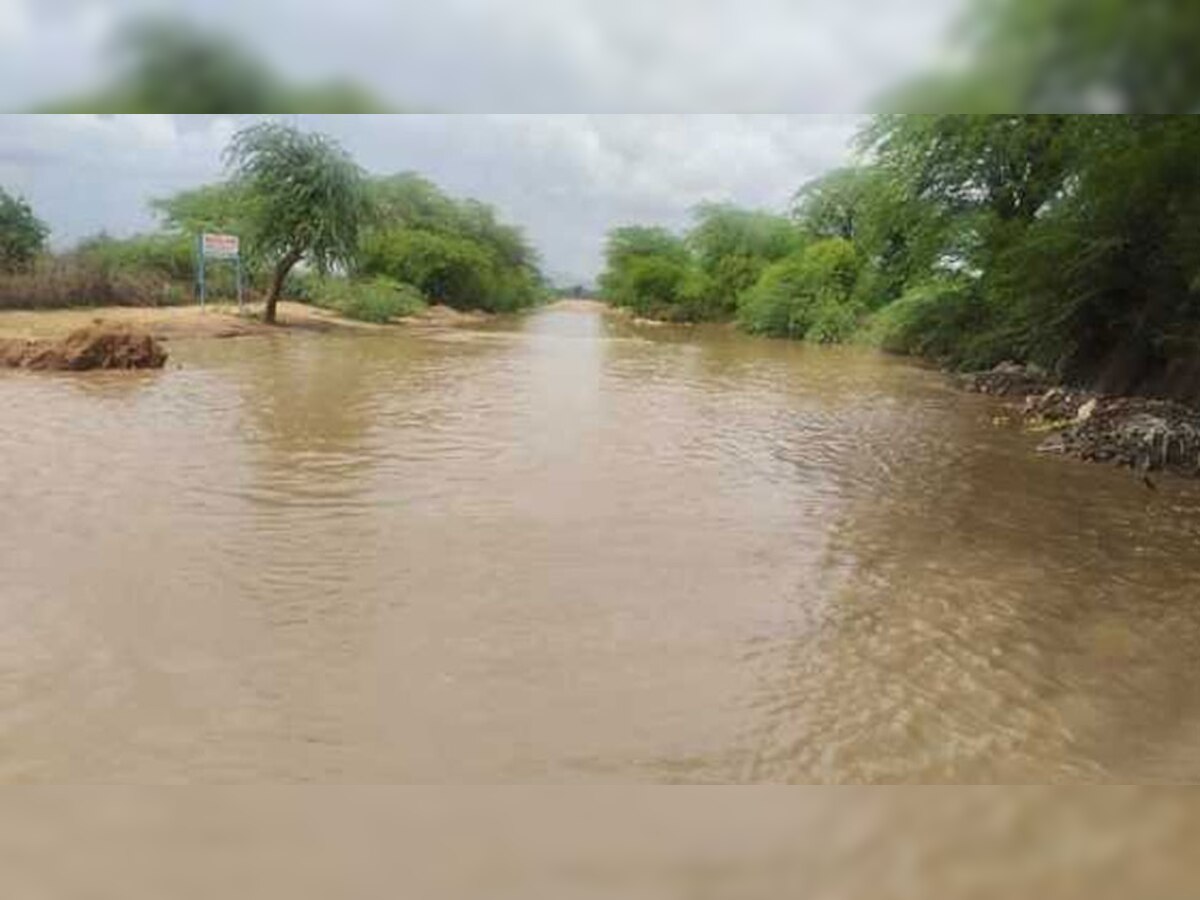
(281, 273)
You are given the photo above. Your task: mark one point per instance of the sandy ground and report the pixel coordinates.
(169, 322)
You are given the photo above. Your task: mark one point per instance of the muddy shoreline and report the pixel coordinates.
(166, 323)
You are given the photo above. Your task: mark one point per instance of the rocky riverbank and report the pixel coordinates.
(1141, 433)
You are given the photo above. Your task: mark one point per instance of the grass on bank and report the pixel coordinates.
(378, 299)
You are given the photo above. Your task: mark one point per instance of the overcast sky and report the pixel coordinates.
(565, 178)
(523, 55)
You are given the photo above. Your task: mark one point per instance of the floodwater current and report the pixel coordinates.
(566, 547)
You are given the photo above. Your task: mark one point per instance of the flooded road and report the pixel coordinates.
(565, 548)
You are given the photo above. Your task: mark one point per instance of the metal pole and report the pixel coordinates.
(239, 283)
(200, 249)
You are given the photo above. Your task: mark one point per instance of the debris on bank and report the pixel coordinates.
(1141, 433)
(1007, 380)
(93, 347)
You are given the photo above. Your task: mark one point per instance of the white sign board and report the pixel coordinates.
(219, 246)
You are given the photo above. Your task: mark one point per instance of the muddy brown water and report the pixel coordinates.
(566, 548)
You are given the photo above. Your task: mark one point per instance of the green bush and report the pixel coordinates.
(456, 270)
(809, 294)
(170, 256)
(456, 252)
(946, 320)
(376, 300)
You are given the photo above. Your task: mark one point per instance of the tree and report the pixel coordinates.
(806, 295)
(732, 247)
(646, 268)
(456, 251)
(305, 200)
(22, 234)
(212, 207)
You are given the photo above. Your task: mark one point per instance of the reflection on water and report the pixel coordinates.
(565, 548)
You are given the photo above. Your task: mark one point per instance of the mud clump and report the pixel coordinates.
(94, 347)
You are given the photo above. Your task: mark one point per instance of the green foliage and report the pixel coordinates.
(732, 246)
(898, 234)
(698, 277)
(167, 255)
(944, 319)
(22, 234)
(456, 252)
(302, 194)
(810, 294)
(374, 300)
(647, 268)
(1076, 243)
(1105, 286)
(222, 207)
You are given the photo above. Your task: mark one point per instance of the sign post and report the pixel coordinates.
(218, 246)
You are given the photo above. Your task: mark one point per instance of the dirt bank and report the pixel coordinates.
(93, 347)
(177, 322)
(1141, 433)
(170, 322)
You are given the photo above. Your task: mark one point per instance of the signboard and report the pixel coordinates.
(219, 246)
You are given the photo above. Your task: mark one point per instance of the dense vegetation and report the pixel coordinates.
(1069, 241)
(314, 227)
(22, 234)
(457, 251)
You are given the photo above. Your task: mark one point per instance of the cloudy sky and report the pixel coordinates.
(522, 55)
(565, 178)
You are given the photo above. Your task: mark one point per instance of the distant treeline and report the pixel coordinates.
(1069, 241)
(417, 245)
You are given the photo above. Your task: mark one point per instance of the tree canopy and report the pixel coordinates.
(303, 196)
(454, 251)
(22, 234)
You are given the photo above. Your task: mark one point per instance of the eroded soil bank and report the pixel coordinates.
(92, 347)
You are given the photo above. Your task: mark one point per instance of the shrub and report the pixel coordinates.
(170, 256)
(946, 320)
(807, 294)
(60, 282)
(376, 300)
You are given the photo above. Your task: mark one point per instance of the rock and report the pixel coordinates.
(1085, 411)
(1055, 406)
(94, 347)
